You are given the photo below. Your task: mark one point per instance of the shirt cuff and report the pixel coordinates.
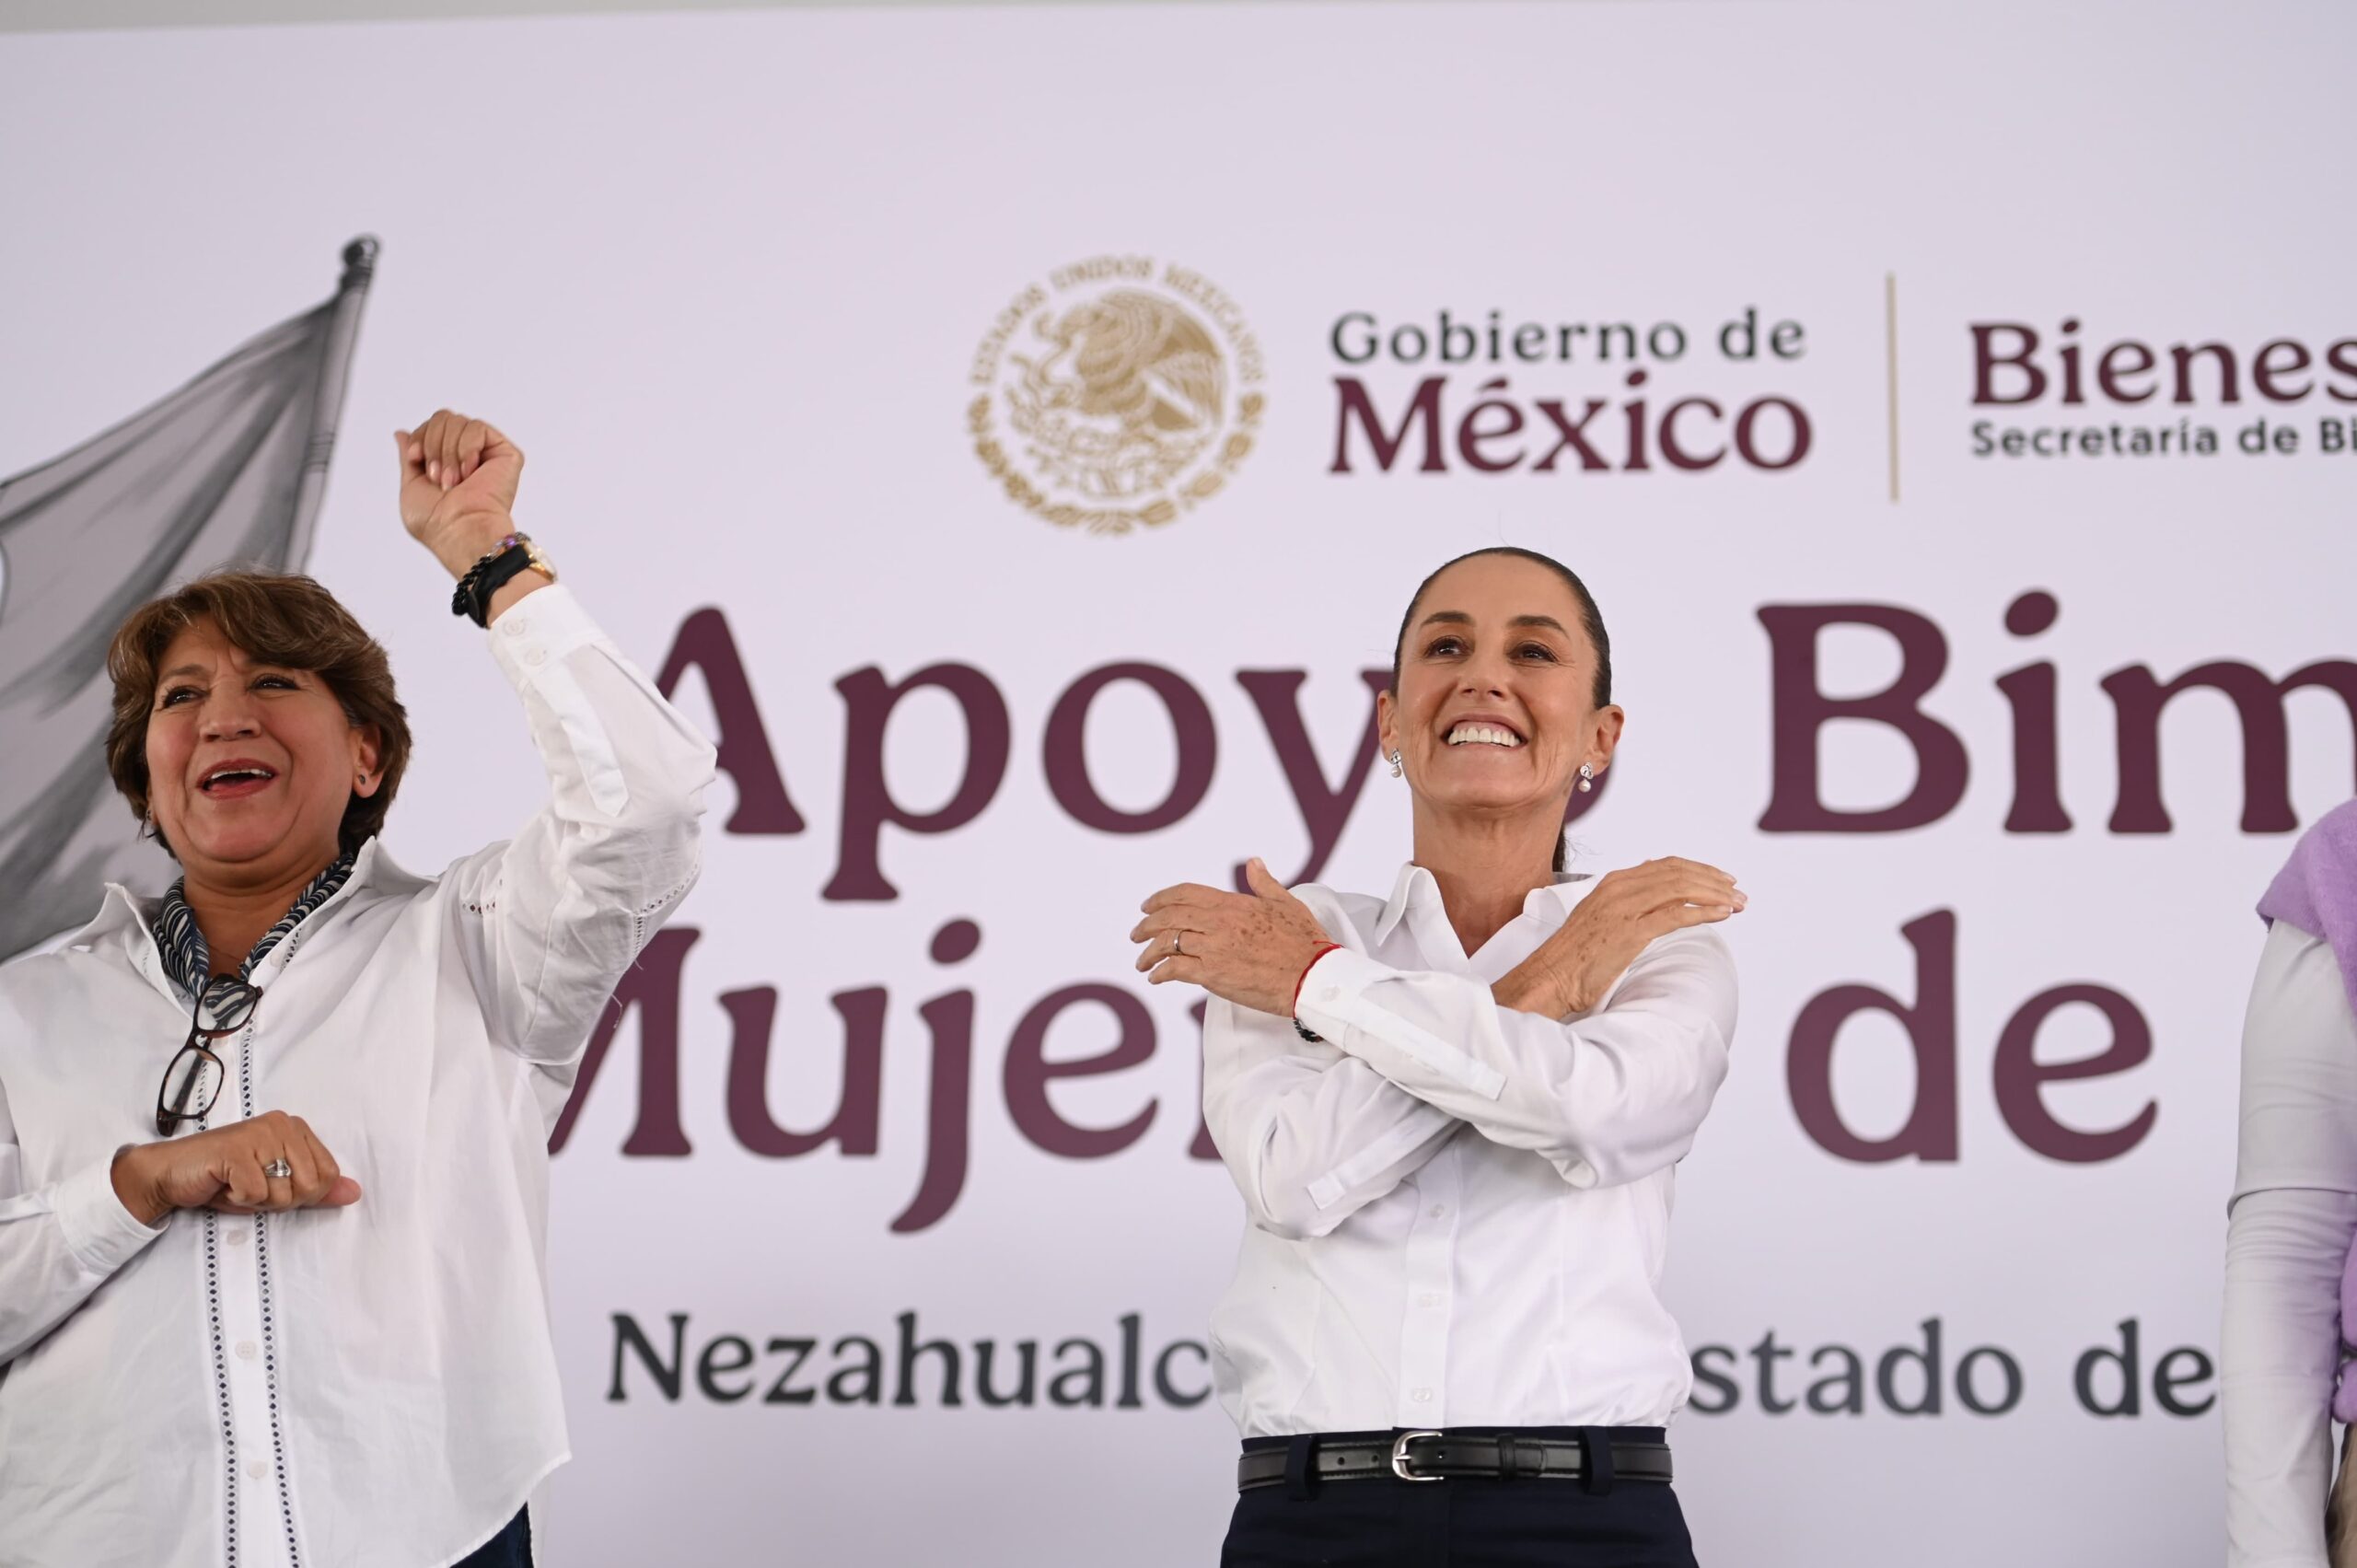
(538, 631)
(1335, 1005)
(102, 1235)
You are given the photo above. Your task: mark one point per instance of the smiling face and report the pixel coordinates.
(249, 765)
(1495, 709)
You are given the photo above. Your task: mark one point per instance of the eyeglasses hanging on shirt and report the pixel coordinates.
(192, 1081)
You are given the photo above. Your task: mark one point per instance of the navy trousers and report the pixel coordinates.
(511, 1548)
(1461, 1523)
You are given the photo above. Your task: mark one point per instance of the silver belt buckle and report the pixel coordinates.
(1400, 1456)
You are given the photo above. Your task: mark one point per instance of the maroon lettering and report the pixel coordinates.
(704, 643)
(2139, 696)
(652, 984)
(1356, 404)
(867, 801)
(1325, 811)
(1028, 1072)
(2021, 1077)
(1801, 709)
(1931, 1131)
(1065, 753)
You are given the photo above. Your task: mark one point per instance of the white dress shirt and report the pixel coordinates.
(1458, 1212)
(2294, 1215)
(370, 1386)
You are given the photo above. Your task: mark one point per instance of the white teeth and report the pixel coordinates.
(211, 778)
(1482, 735)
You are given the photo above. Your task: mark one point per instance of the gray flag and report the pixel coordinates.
(227, 470)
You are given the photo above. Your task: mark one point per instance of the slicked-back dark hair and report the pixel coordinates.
(1590, 617)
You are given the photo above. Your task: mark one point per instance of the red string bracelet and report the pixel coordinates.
(1323, 948)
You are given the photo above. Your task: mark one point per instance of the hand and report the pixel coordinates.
(458, 479)
(1248, 947)
(1573, 968)
(223, 1170)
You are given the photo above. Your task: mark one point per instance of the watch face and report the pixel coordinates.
(540, 562)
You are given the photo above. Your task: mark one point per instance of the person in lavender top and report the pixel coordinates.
(2291, 1299)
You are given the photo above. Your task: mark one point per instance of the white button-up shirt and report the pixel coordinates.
(2294, 1213)
(371, 1387)
(1458, 1212)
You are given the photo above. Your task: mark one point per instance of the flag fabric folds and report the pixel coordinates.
(228, 471)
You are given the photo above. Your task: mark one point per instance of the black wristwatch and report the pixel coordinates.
(515, 553)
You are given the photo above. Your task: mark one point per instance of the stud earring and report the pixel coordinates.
(1587, 778)
(1397, 771)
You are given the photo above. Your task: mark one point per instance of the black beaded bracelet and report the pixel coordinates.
(471, 598)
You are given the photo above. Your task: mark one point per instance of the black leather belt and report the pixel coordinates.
(1439, 1456)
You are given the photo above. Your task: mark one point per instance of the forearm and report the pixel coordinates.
(2280, 1347)
(1308, 1135)
(58, 1244)
(566, 905)
(1606, 1098)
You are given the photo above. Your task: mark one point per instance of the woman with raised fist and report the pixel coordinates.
(1455, 1114)
(273, 1169)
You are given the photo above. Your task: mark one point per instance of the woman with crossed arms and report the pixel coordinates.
(273, 1147)
(1455, 1115)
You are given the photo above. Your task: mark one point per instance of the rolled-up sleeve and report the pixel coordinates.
(1606, 1097)
(2293, 1215)
(555, 915)
(58, 1243)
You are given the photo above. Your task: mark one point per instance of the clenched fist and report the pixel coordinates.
(459, 480)
(228, 1171)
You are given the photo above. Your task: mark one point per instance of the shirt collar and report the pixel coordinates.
(130, 915)
(1567, 889)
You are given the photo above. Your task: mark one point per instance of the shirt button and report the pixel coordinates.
(1423, 1396)
(239, 1234)
(258, 1471)
(1430, 1298)
(1438, 1211)
(514, 624)
(248, 1350)
(536, 656)
(1329, 993)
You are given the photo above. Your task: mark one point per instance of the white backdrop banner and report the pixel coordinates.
(1016, 433)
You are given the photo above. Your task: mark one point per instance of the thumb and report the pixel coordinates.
(410, 468)
(344, 1192)
(1256, 877)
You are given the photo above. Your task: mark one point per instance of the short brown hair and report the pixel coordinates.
(279, 617)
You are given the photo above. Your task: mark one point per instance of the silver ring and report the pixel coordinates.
(1177, 944)
(278, 1170)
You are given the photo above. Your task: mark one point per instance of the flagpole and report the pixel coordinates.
(335, 368)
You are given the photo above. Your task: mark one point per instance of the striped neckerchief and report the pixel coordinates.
(190, 962)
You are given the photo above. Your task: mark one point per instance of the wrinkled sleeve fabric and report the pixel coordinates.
(1310, 1135)
(58, 1243)
(1605, 1098)
(2292, 1218)
(554, 916)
